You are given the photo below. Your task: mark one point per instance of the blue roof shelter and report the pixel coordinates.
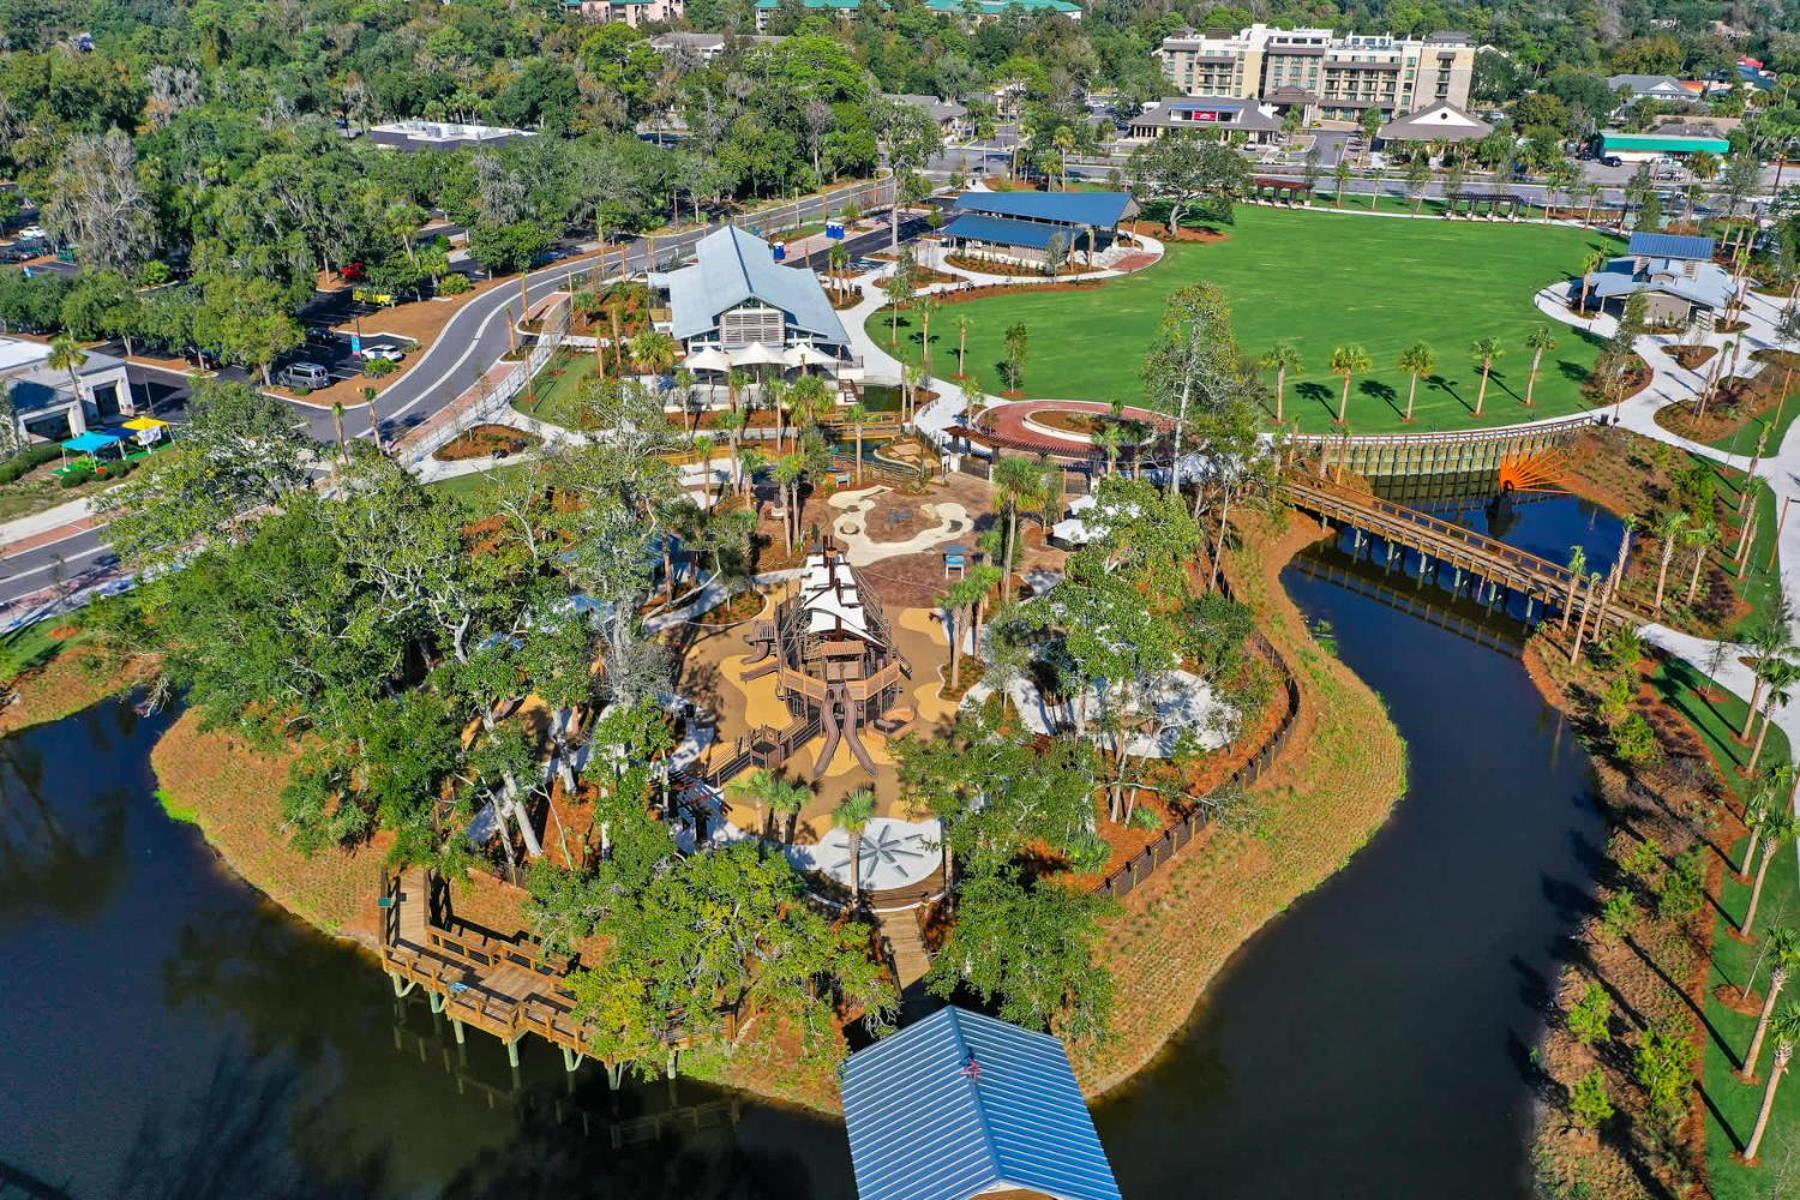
(1021, 224)
(960, 1104)
(1670, 245)
(1101, 209)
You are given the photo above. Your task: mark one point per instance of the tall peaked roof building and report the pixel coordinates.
(961, 1104)
(735, 275)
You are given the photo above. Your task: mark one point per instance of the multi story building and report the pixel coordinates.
(1327, 76)
(975, 10)
(635, 13)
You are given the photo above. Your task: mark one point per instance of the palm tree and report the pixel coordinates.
(1537, 341)
(837, 259)
(1485, 350)
(1017, 481)
(1595, 261)
(1779, 972)
(958, 599)
(808, 400)
(1786, 1029)
(927, 308)
(852, 816)
(758, 787)
(1578, 562)
(654, 352)
(1771, 638)
(1777, 827)
(962, 346)
(1283, 359)
(1699, 537)
(1667, 531)
(788, 471)
(1783, 675)
(1416, 360)
(337, 421)
(1111, 439)
(684, 387)
(67, 355)
(736, 380)
(1064, 139)
(733, 423)
(856, 416)
(1348, 361)
(368, 395)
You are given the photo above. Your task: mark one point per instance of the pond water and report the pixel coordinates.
(169, 1033)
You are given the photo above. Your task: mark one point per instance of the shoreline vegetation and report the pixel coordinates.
(1220, 893)
(1648, 1021)
(1344, 770)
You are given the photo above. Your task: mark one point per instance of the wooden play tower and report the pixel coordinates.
(834, 654)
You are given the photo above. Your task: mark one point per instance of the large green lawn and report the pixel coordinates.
(1317, 280)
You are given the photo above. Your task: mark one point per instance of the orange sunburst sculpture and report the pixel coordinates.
(1543, 472)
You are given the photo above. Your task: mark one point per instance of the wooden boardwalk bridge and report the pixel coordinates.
(506, 987)
(1441, 543)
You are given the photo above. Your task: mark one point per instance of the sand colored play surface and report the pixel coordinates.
(712, 676)
(859, 508)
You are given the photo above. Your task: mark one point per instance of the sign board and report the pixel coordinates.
(1195, 114)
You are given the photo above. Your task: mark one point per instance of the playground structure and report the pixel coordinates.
(835, 659)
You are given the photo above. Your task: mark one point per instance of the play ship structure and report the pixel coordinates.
(833, 654)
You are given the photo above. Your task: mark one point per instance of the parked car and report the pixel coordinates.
(33, 233)
(1611, 160)
(13, 254)
(308, 375)
(391, 354)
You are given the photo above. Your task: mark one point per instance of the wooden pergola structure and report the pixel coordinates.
(1498, 204)
(835, 658)
(1266, 189)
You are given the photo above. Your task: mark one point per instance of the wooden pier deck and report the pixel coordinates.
(502, 986)
(1442, 542)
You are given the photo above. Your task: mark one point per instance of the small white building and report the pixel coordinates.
(1439, 123)
(46, 405)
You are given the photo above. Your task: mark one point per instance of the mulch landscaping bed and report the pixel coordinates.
(485, 441)
(1690, 356)
(1184, 234)
(733, 609)
(1739, 401)
(1657, 975)
(1628, 473)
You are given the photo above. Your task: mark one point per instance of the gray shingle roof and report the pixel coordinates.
(732, 266)
(924, 1125)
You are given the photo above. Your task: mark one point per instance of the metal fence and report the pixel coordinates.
(486, 397)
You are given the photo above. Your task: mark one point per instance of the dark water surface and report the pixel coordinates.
(1376, 1040)
(166, 1033)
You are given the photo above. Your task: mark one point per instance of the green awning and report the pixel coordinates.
(1648, 143)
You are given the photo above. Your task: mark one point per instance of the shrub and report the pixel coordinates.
(1634, 741)
(375, 368)
(453, 284)
(1683, 889)
(29, 459)
(1589, 1105)
(1665, 1070)
(76, 477)
(1619, 914)
(1590, 1018)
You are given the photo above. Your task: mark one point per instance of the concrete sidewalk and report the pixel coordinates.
(47, 527)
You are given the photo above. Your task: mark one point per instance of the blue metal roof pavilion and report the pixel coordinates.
(998, 231)
(1102, 210)
(960, 1104)
(1670, 245)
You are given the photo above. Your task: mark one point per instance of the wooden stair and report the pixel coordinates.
(911, 959)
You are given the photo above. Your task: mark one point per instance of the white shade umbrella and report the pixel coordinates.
(758, 355)
(710, 359)
(808, 355)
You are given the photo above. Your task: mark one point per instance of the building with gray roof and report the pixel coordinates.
(735, 294)
(1258, 122)
(1680, 283)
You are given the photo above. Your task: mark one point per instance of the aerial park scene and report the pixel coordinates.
(908, 602)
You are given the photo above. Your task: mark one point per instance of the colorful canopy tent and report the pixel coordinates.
(149, 430)
(961, 1104)
(88, 448)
